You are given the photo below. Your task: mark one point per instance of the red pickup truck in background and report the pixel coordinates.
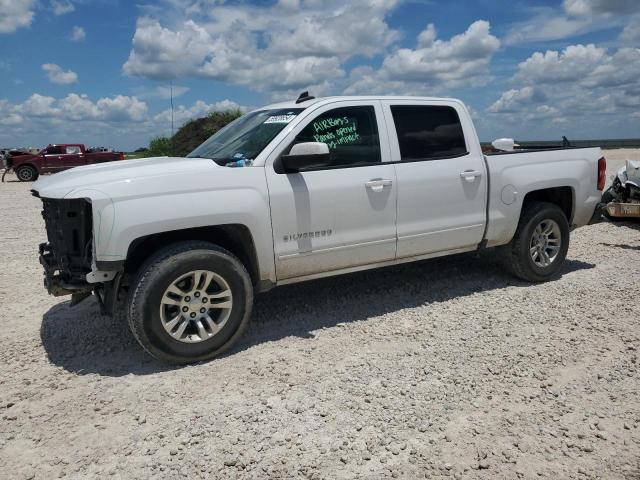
(55, 158)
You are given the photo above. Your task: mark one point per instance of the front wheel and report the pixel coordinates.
(539, 247)
(26, 173)
(190, 302)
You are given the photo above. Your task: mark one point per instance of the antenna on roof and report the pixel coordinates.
(304, 97)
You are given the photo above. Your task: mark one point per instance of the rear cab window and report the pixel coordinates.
(72, 149)
(428, 132)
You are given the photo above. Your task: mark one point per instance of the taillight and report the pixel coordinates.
(121, 156)
(602, 173)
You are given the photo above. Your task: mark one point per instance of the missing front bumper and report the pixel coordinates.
(55, 282)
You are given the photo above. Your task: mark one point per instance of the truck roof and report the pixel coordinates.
(308, 103)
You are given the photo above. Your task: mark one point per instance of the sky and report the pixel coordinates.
(99, 71)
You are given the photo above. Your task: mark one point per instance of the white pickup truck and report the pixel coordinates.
(297, 191)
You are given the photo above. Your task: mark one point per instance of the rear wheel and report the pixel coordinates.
(539, 247)
(190, 302)
(26, 173)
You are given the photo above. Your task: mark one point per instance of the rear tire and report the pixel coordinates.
(539, 247)
(26, 173)
(190, 302)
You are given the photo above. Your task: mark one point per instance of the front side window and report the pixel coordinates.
(428, 132)
(350, 132)
(54, 151)
(245, 137)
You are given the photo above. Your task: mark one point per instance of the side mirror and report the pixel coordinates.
(504, 144)
(303, 156)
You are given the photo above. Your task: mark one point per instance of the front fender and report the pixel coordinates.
(125, 221)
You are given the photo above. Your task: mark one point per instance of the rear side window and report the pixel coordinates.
(73, 149)
(350, 132)
(428, 132)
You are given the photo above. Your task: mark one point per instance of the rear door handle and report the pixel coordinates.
(470, 175)
(378, 184)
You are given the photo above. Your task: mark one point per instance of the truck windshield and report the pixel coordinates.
(245, 137)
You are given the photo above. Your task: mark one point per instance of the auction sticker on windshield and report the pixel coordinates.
(280, 118)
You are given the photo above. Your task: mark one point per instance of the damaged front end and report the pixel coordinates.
(66, 257)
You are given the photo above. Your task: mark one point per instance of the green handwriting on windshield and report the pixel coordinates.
(336, 131)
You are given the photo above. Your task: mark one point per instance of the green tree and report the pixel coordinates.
(190, 135)
(159, 147)
(194, 132)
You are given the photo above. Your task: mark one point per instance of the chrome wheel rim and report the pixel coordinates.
(545, 243)
(196, 306)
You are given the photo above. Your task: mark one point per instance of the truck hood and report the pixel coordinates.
(128, 176)
(25, 157)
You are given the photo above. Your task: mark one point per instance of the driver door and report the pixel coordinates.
(339, 216)
(53, 159)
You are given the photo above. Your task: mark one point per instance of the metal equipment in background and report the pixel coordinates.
(622, 199)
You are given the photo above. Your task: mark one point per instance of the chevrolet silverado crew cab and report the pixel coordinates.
(297, 191)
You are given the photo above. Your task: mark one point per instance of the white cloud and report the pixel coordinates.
(62, 7)
(631, 33)
(574, 86)
(116, 111)
(513, 100)
(15, 14)
(58, 76)
(119, 121)
(585, 65)
(277, 48)
(37, 106)
(434, 65)
(576, 17)
(164, 92)
(78, 34)
(598, 7)
(182, 114)
(547, 25)
(344, 33)
(75, 107)
(573, 63)
(8, 116)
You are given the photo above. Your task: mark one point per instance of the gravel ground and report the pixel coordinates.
(444, 368)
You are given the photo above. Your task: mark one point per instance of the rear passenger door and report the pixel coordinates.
(442, 182)
(72, 156)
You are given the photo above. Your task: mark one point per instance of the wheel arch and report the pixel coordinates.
(236, 238)
(563, 196)
(26, 164)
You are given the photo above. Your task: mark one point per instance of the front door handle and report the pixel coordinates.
(378, 184)
(470, 175)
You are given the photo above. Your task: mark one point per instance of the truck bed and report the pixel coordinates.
(571, 172)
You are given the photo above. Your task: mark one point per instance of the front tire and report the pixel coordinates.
(539, 247)
(26, 173)
(190, 302)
